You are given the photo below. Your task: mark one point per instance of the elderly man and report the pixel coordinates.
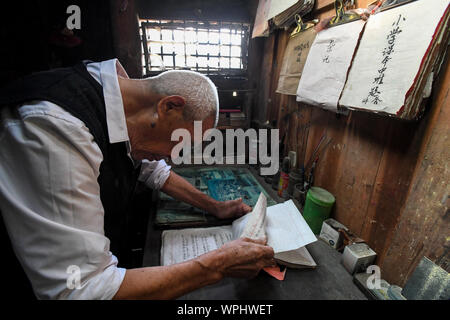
(74, 142)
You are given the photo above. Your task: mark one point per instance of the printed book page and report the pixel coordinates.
(182, 245)
(327, 64)
(298, 258)
(389, 56)
(252, 225)
(282, 224)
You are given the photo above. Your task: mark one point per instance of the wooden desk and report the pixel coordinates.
(329, 280)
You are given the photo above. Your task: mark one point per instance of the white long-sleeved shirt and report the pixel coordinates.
(50, 197)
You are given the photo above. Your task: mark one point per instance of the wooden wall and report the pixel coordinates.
(390, 177)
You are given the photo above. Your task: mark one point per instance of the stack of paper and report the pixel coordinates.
(399, 53)
(286, 17)
(280, 11)
(327, 65)
(237, 118)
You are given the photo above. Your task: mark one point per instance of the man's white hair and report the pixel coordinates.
(200, 93)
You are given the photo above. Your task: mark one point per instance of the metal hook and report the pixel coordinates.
(341, 16)
(301, 26)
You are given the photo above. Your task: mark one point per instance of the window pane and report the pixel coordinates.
(213, 62)
(155, 61)
(155, 48)
(225, 38)
(168, 48)
(178, 35)
(202, 37)
(179, 48)
(191, 37)
(225, 51)
(213, 50)
(236, 39)
(191, 62)
(166, 35)
(179, 61)
(224, 63)
(191, 49)
(153, 34)
(168, 61)
(236, 51)
(202, 62)
(213, 37)
(171, 45)
(203, 49)
(235, 63)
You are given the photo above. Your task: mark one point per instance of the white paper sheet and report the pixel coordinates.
(283, 224)
(389, 56)
(286, 228)
(296, 258)
(182, 245)
(278, 6)
(326, 67)
(252, 225)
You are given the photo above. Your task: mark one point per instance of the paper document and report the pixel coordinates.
(280, 11)
(255, 223)
(328, 62)
(282, 224)
(294, 60)
(278, 6)
(391, 64)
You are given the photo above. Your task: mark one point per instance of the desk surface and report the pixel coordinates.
(329, 280)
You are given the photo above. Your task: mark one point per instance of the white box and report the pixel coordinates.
(330, 234)
(357, 257)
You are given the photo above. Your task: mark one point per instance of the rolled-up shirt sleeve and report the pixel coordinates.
(50, 202)
(154, 173)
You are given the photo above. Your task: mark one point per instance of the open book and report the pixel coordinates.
(399, 55)
(282, 224)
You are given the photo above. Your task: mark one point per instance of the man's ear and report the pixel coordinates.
(171, 104)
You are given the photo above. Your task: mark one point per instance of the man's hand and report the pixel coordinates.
(231, 209)
(241, 258)
(178, 188)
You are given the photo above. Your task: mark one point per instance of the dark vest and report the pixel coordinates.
(77, 92)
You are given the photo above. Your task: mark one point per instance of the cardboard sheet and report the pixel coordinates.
(294, 61)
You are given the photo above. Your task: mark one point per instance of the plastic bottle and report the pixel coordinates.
(284, 179)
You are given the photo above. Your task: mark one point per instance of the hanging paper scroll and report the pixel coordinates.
(294, 60)
(392, 70)
(328, 62)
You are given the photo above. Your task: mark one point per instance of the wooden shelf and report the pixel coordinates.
(227, 124)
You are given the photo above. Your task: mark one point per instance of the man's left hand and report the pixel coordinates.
(231, 209)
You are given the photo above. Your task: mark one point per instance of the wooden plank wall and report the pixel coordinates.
(125, 31)
(389, 177)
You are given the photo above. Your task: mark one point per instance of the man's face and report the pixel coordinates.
(158, 144)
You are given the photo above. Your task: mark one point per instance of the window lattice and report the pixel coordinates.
(209, 47)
